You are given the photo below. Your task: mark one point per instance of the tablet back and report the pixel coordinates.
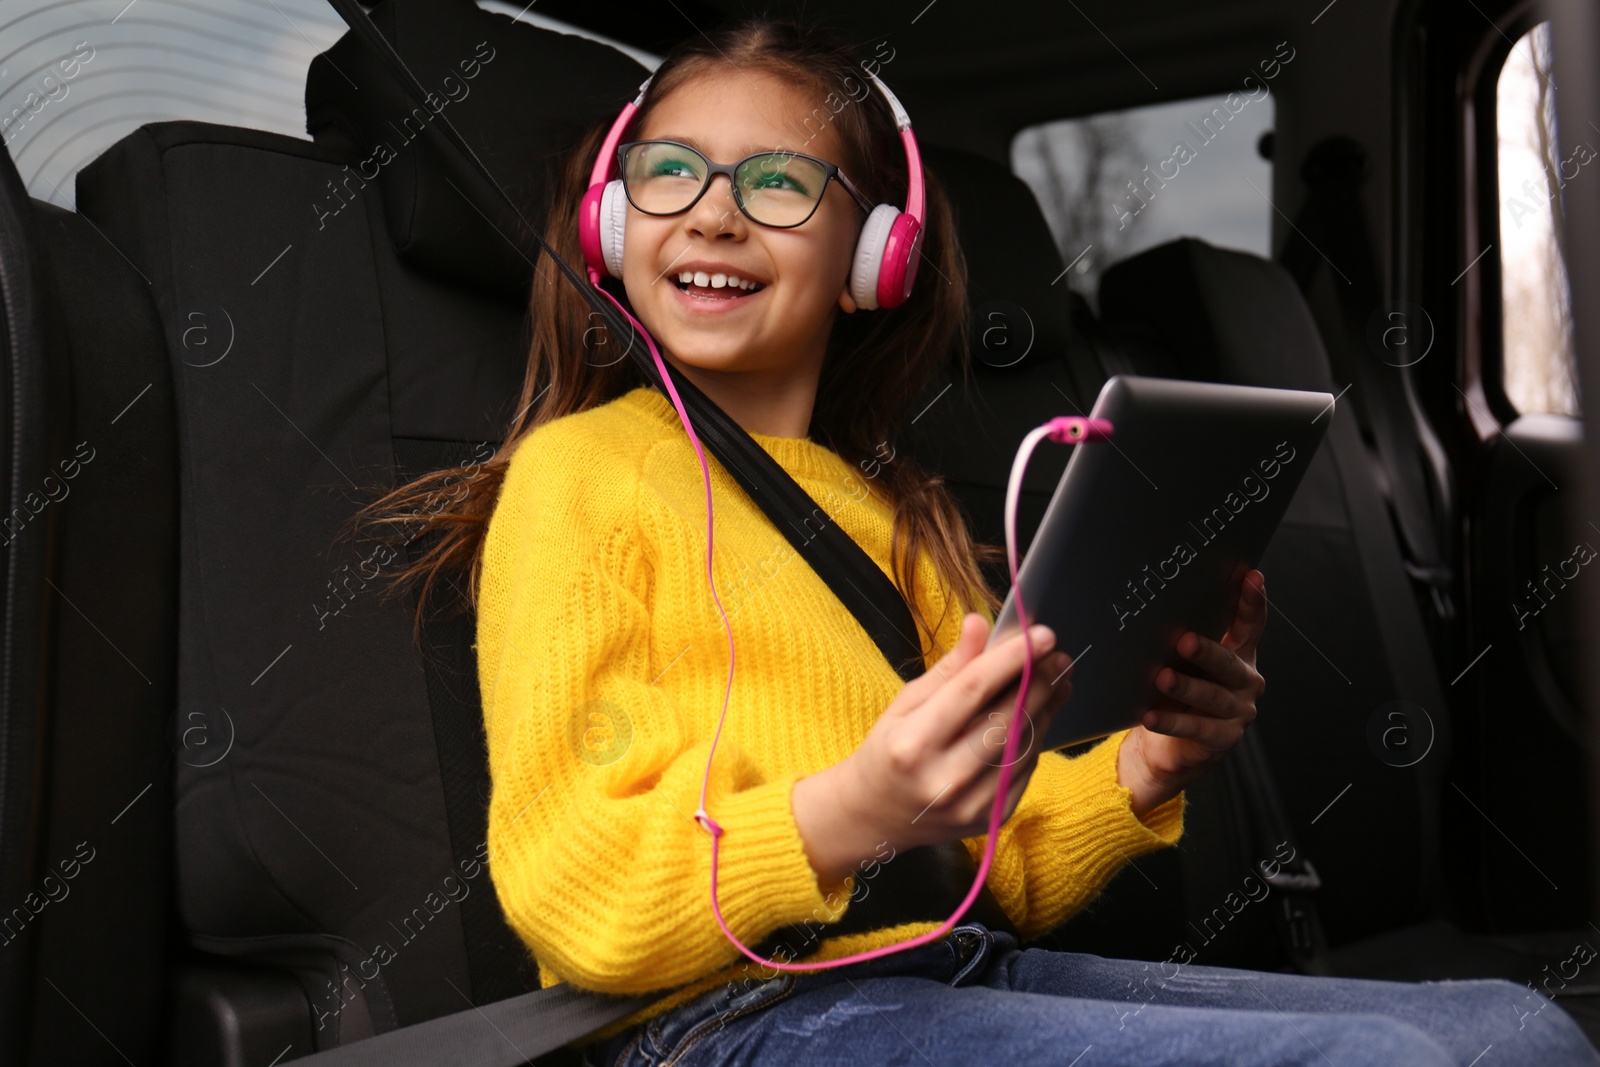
(1151, 533)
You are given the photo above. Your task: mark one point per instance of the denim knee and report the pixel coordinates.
(1500, 1002)
(1376, 1040)
(1501, 999)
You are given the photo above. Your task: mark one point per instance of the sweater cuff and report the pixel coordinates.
(1104, 807)
(764, 879)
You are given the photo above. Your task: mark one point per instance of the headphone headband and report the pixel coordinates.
(884, 267)
(608, 151)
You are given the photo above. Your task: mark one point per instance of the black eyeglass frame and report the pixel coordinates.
(830, 171)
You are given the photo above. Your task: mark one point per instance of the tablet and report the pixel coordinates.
(1150, 534)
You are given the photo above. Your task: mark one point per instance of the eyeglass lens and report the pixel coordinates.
(776, 189)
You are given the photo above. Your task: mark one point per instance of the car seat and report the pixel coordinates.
(91, 572)
(330, 332)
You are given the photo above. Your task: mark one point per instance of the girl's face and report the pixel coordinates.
(727, 115)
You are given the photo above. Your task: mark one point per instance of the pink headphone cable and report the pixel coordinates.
(1063, 430)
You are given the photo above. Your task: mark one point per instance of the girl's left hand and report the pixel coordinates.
(1202, 718)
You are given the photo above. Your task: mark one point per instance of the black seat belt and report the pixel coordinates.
(510, 1032)
(1266, 825)
(1417, 487)
(507, 1033)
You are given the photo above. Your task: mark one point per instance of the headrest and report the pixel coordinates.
(1011, 259)
(1029, 357)
(519, 94)
(1225, 316)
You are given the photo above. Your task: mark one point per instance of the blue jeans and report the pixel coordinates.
(974, 997)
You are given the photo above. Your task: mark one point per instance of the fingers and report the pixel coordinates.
(1228, 682)
(1218, 735)
(973, 762)
(974, 687)
(1025, 761)
(975, 765)
(1250, 617)
(1220, 664)
(977, 799)
(1196, 693)
(987, 736)
(969, 643)
(1049, 685)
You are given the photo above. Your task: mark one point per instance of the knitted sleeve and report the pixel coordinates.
(1070, 834)
(594, 853)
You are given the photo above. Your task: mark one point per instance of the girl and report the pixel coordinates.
(602, 660)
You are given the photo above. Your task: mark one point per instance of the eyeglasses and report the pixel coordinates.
(777, 189)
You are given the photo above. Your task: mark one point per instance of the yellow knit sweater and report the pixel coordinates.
(602, 662)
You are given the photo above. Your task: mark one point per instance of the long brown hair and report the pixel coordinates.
(875, 364)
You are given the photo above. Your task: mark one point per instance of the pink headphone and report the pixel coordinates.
(887, 252)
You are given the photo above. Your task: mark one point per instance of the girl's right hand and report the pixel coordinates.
(929, 768)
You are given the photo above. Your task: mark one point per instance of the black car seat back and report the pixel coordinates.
(326, 337)
(90, 532)
(1346, 644)
(519, 97)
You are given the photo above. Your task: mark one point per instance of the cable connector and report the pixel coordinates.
(1070, 429)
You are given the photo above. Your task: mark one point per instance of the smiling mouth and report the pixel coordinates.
(716, 287)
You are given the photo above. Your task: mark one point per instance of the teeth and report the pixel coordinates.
(717, 281)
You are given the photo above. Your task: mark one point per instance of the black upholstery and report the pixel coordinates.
(1029, 363)
(336, 837)
(325, 822)
(1348, 638)
(105, 526)
(517, 97)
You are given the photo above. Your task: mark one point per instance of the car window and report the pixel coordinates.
(1536, 163)
(1114, 184)
(73, 82)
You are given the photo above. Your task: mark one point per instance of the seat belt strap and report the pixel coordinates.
(1295, 914)
(858, 583)
(507, 1033)
(1331, 231)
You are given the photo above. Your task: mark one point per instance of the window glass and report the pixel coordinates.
(73, 82)
(1535, 166)
(525, 12)
(1114, 184)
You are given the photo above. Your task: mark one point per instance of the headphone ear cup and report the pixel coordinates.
(613, 221)
(869, 255)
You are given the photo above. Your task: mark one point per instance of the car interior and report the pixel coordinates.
(222, 339)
